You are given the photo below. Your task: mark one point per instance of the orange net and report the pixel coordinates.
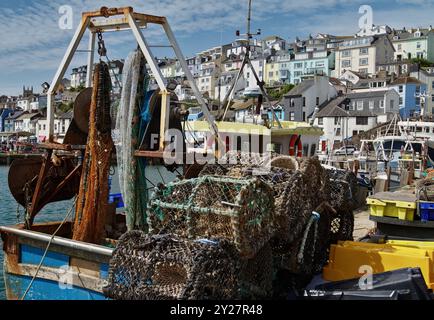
(93, 196)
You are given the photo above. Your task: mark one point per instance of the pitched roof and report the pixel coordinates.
(332, 109)
(15, 115)
(299, 89)
(363, 113)
(410, 36)
(335, 81)
(406, 80)
(27, 115)
(67, 115)
(367, 94)
(358, 74)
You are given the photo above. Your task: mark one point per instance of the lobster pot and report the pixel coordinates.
(256, 275)
(300, 195)
(165, 267)
(238, 210)
(156, 267)
(343, 188)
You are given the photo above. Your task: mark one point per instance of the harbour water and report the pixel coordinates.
(9, 215)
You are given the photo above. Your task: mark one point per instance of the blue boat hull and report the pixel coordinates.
(43, 289)
(69, 270)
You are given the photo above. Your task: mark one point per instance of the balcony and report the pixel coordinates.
(314, 71)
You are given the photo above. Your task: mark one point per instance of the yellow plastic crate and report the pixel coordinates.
(386, 205)
(346, 259)
(412, 244)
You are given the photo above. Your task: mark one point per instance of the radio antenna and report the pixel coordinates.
(229, 95)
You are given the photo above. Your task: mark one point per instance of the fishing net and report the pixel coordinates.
(130, 123)
(239, 210)
(92, 199)
(154, 267)
(344, 187)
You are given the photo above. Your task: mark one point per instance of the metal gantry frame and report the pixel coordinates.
(117, 19)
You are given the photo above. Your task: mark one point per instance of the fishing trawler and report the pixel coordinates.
(70, 259)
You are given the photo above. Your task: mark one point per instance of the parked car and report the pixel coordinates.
(347, 150)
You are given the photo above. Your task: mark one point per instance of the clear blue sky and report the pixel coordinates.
(32, 44)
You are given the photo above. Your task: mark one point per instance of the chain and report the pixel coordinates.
(102, 51)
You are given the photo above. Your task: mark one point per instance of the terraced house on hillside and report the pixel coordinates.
(363, 54)
(414, 43)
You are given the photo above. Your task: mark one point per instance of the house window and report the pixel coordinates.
(304, 101)
(338, 131)
(401, 101)
(401, 89)
(346, 53)
(304, 116)
(359, 105)
(432, 98)
(320, 121)
(298, 65)
(363, 61)
(363, 70)
(371, 105)
(419, 45)
(270, 74)
(291, 116)
(362, 121)
(346, 63)
(355, 133)
(418, 101)
(381, 103)
(363, 51)
(317, 101)
(337, 121)
(399, 47)
(392, 104)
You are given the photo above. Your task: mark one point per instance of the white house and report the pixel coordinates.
(258, 64)
(24, 122)
(224, 84)
(414, 43)
(352, 114)
(61, 125)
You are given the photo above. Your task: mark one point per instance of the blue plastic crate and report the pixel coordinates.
(426, 211)
(116, 198)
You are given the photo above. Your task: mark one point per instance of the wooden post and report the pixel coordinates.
(46, 164)
(356, 167)
(387, 184)
(411, 174)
